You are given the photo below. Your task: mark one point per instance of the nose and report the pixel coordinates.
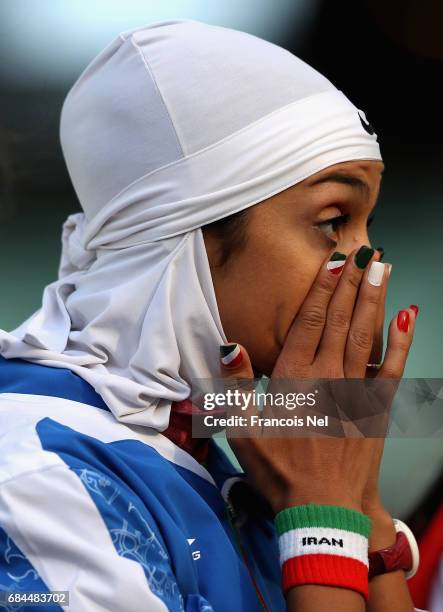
(353, 241)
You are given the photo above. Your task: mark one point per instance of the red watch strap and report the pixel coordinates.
(395, 557)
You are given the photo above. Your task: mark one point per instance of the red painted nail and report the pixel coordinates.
(415, 308)
(403, 320)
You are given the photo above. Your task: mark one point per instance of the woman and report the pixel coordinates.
(221, 179)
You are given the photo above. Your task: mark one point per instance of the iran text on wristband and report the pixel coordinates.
(322, 544)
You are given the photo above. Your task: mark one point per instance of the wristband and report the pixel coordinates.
(322, 544)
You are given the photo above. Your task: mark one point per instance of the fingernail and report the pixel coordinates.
(230, 355)
(415, 308)
(381, 251)
(363, 256)
(403, 320)
(376, 272)
(336, 262)
(389, 268)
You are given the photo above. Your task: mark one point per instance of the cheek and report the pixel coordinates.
(262, 289)
(296, 282)
(281, 275)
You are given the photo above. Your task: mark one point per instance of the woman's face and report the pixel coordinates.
(260, 290)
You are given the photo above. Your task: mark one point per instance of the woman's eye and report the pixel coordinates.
(330, 226)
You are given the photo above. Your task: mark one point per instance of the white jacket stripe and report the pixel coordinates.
(47, 512)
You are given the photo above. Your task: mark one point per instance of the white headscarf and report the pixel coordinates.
(172, 126)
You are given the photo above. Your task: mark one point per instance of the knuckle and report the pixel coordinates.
(294, 369)
(402, 349)
(361, 338)
(353, 280)
(312, 318)
(339, 319)
(290, 364)
(390, 371)
(325, 284)
(330, 369)
(372, 297)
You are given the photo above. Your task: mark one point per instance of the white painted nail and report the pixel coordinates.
(375, 275)
(389, 268)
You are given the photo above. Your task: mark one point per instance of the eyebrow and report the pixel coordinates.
(345, 179)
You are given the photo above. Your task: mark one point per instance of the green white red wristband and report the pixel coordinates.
(321, 544)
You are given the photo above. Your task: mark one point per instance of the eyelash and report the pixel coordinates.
(336, 222)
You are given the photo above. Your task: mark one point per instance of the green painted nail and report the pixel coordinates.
(363, 256)
(381, 251)
(337, 256)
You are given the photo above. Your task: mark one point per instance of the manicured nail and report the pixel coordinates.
(381, 251)
(230, 355)
(403, 320)
(376, 272)
(363, 256)
(415, 308)
(389, 268)
(336, 262)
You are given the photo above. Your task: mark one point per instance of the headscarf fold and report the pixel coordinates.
(171, 127)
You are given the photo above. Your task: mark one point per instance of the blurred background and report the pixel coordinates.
(387, 57)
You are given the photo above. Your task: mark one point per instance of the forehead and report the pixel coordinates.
(362, 168)
(364, 175)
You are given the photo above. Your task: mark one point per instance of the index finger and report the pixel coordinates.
(306, 330)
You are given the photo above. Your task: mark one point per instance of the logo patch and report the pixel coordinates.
(196, 554)
(366, 125)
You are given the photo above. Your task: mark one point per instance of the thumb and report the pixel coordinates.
(235, 362)
(238, 376)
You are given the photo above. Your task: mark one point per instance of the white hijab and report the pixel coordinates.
(172, 126)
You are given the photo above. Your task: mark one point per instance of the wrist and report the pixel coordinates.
(383, 532)
(373, 506)
(301, 497)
